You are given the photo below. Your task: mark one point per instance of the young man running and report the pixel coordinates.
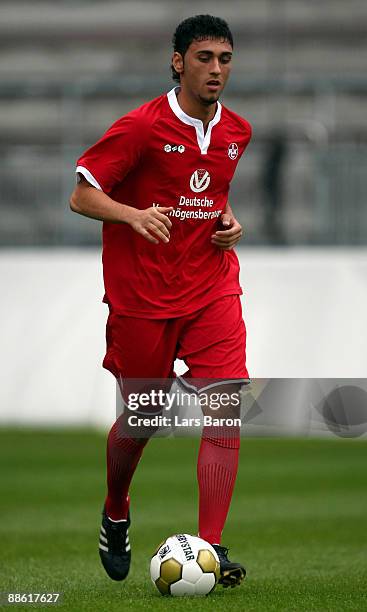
(159, 180)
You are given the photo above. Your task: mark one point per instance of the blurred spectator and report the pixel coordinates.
(272, 183)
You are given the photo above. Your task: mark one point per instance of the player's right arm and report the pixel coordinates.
(152, 223)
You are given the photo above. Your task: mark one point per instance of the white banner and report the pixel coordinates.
(305, 312)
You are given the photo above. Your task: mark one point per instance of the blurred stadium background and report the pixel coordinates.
(298, 519)
(67, 71)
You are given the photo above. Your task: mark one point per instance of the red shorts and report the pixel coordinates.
(211, 341)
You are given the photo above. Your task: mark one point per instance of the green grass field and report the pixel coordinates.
(298, 521)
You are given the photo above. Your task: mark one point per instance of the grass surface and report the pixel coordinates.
(298, 521)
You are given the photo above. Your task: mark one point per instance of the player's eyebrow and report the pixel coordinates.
(207, 52)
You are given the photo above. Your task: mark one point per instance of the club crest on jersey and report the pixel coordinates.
(174, 148)
(233, 150)
(199, 180)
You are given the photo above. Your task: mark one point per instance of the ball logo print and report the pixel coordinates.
(167, 148)
(164, 551)
(233, 150)
(199, 180)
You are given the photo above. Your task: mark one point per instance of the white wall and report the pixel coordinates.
(305, 311)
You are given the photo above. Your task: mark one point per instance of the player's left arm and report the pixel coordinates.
(232, 231)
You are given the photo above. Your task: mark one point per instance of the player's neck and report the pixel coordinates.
(195, 109)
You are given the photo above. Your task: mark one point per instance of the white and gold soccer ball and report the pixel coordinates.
(184, 565)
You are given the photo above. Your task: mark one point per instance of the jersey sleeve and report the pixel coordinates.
(108, 161)
(247, 129)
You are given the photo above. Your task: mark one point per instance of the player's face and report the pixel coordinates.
(205, 69)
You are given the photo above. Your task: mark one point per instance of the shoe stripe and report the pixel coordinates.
(103, 539)
(127, 539)
(127, 548)
(103, 530)
(103, 547)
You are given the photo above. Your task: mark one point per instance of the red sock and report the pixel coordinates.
(216, 472)
(123, 455)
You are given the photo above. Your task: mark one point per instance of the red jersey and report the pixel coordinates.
(157, 155)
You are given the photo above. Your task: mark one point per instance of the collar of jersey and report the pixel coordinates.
(203, 139)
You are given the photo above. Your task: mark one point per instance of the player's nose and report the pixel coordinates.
(215, 67)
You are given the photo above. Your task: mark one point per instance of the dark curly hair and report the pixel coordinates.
(200, 27)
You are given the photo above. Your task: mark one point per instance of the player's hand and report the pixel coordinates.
(152, 223)
(226, 239)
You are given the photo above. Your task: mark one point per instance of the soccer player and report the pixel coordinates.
(159, 180)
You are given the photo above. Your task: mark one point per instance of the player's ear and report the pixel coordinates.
(177, 62)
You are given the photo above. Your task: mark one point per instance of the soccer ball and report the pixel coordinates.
(184, 565)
